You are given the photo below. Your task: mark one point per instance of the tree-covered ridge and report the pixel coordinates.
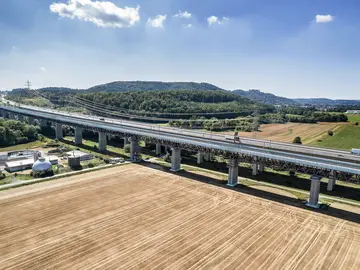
(14, 132)
(127, 86)
(176, 101)
(266, 98)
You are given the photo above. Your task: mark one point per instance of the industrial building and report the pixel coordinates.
(3, 156)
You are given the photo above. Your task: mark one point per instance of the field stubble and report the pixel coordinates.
(138, 217)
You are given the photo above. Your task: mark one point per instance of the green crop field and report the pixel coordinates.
(353, 117)
(346, 137)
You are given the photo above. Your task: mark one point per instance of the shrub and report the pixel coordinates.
(106, 160)
(91, 165)
(330, 132)
(356, 123)
(127, 148)
(297, 140)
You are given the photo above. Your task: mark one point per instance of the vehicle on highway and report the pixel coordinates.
(355, 151)
(234, 138)
(102, 119)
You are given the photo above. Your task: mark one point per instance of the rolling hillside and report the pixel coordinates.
(266, 98)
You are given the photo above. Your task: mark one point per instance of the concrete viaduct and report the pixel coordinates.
(316, 162)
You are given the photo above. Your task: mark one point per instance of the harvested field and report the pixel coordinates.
(287, 132)
(133, 217)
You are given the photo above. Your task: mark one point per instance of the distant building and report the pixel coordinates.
(353, 112)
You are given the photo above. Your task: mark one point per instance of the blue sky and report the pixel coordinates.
(297, 48)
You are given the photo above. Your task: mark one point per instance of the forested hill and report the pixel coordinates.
(128, 86)
(266, 98)
(177, 101)
(327, 102)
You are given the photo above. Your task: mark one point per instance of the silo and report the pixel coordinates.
(74, 161)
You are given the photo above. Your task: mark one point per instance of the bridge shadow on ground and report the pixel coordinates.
(333, 212)
(280, 179)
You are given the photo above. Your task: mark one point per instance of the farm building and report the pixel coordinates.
(83, 156)
(19, 165)
(3, 156)
(353, 112)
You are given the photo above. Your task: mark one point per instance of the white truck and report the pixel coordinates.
(355, 151)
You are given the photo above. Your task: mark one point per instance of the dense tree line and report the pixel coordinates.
(14, 132)
(306, 117)
(214, 124)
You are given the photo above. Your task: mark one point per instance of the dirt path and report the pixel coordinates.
(135, 217)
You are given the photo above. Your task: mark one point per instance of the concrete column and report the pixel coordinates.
(102, 141)
(3, 114)
(255, 168)
(126, 141)
(20, 117)
(200, 157)
(332, 181)
(43, 123)
(31, 121)
(10, 115)
(158, 149)
(58, 131)
(176, 159)
(207, 156)
(261, 167)
(233, 172)
(134, 149)
(314, 192)
(78, 135)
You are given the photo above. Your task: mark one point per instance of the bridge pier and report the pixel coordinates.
(78, 135)
(200, 158)
(31, 121)
(58, 131)
(102, 141)
(261, 167)
(331, 181)
(233, 172)
(21, 117)
(158, 149)
(255, 169)
(3, 114)
(207, 156)
(43, 122)
(314, 192)
(175, 159)
(134, 148)
(126, 140)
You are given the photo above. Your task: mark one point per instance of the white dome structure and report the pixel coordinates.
(42, 165)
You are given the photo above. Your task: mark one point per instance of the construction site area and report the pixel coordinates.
(143, 216)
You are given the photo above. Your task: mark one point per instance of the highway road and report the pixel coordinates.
(320, 158)
(266, 144)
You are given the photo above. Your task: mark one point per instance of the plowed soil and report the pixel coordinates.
(135, 217)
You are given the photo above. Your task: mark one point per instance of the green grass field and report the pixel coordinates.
(346, 137)
(30, 145)
(353, 117)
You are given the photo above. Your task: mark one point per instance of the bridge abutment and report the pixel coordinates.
(233, 172)
(78, 135)
(175, 159)
(314, 192)
(58, 131)
(102, 141)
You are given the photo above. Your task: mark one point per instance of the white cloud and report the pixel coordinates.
(183, 15)
(215, 20)
(324, 18)
(43, 69)
(157, 22)
(189, 25)
(103, 14)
